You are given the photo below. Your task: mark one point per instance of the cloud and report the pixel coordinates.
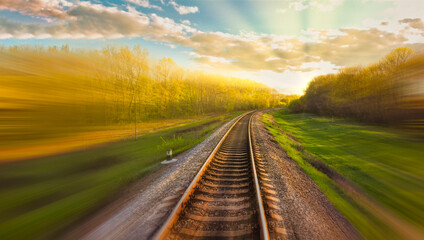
(405, 9)
(354, 46)
(53, 8)
(410, 28)
(299, 6)
(416, 23)
(183, 9)
(247, 51)
(316, 49)
(321, 65)
(91, 21)
(167, 30)
(145, 4)
(323, 5)
(243, 52)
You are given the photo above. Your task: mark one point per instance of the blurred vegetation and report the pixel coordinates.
(42, 198)
(286, 100)
(389, 92)
(49, 95)
(385, 163)
(45, 92)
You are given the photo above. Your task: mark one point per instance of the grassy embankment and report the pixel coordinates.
(385, 163)
(42, 197)
(40, 142)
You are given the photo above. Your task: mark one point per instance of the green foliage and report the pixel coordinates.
(381, 93)
(369, 227)
(172, 143)
(297, 105)
(40, 198)
(385, 163)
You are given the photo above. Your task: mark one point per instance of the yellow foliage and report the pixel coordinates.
(52, 91)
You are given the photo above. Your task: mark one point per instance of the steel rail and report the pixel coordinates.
(165, 229)
(262, 218)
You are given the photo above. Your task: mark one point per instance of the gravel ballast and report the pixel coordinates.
(307, 213)
(148, 202)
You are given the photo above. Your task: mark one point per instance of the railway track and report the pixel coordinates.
(224, 200)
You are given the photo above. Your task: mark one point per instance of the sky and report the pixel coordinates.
(282, 43)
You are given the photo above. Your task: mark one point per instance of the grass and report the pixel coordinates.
(34, 142)
(385, 163)
(41, 198)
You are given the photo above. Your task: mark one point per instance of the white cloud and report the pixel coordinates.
(186, 22)
(323, 5)
(145, 4)
(183, 9)
(132, 10)
(271, 59)
(52, 8)
(324, 66)
(88, 20)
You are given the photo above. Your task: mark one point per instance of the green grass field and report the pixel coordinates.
(386, 163)
(42, 197)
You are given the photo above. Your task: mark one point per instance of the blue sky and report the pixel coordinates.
(281, 43)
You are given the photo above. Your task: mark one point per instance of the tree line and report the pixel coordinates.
(390, 91)
(56, 86)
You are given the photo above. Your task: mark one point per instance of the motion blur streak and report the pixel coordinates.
(56, 92)
(56, 100)
(388, 92)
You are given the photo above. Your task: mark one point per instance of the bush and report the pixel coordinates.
(297, 105)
